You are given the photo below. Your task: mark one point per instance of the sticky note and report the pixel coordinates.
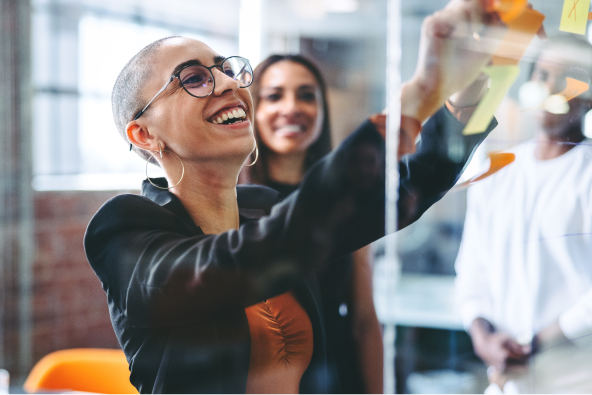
(573, 88)
(497, 161)
(508, 10)
(501, 79)
(521, 31)
(574, 16)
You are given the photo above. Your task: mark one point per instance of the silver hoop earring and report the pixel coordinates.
(256, 156)
(161, 151)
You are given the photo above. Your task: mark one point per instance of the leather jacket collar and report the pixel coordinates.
(254, 201)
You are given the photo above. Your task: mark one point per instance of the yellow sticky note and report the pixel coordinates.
(574, 16)
(501, 79)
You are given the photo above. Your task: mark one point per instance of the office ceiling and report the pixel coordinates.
(310, 18)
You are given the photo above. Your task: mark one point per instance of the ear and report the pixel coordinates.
(139, 136)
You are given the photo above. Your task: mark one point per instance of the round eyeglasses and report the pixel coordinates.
(198, 80)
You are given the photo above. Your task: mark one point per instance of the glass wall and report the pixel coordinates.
(494, 288)
(490, 289)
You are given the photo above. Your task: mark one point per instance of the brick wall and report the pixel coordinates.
(69, 305)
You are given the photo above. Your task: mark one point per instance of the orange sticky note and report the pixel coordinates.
(574, 16)
(497, 161)
(508, 10)
(519, 36)
(573, 88)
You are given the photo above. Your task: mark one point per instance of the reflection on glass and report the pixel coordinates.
(496, 283)
(523, 285)
(522, 269)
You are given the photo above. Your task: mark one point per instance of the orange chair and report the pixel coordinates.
(82, 369)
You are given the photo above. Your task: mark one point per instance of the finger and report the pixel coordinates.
(517, 358)
(517, 349)
(520, 358)
(463, 16)
(501, 365)
(512, 362)
(499, 359)
(483, 12)
(440, 28)
(477, 9)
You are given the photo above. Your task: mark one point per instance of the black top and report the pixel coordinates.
(177, 296)
(283, 188)
(335, 283)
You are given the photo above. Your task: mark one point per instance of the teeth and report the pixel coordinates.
(290, 128)
(238, 114)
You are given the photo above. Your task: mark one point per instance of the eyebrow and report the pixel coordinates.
(301, 87)
(193, 62)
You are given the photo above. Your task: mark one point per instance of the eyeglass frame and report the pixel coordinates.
(209, 68)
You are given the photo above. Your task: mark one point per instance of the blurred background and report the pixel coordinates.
(59, 61)
(66, 55)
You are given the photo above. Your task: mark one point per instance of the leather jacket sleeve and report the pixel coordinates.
(159, 272)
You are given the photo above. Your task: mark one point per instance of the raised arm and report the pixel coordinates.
(159, 271)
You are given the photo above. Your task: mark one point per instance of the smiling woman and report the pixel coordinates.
(291, 128)
(292, 132)
(211, 287)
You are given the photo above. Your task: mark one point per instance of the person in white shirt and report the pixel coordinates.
(524, 268)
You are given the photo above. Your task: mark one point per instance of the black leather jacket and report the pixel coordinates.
(177, 296)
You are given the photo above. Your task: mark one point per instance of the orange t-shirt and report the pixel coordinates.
(281, 345)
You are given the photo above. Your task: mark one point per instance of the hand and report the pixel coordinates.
(548, 337)
(497, 349)
(456, 44)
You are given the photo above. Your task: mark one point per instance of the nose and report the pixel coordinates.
(223, 82)
(289, 105)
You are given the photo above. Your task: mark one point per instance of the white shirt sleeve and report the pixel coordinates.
(473, 298)
(576, 322)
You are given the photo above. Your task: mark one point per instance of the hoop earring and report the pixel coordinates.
(256, 156)
(152, 156)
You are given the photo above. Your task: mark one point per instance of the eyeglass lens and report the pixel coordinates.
(239, 69)
(198, 80)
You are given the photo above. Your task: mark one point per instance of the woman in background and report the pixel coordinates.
(292, 132)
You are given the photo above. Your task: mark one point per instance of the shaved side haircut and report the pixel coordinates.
(126, 99)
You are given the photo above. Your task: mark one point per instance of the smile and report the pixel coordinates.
(290, 129)
(229, 116)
